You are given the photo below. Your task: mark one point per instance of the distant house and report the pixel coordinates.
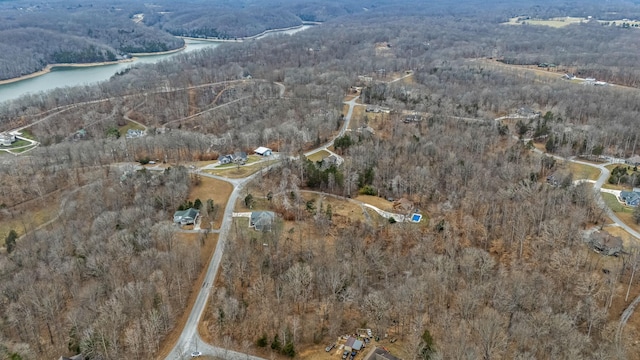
(186, 217)
(7, 139)
(605, 243)
(240, 156)
(226, 159)
(630, 198)
(403, 205)
(134, 133)
(329, 161)
(380, 354)
(262, 220)
(528, 112)
(634, 160)
(263, 151)
(412, 118)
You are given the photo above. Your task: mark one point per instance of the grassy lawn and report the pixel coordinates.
(613, 203)
(581, 171)
(376, 201)
(244, 171)
(318, 155)
(31, 220)
(27, 134)
(627, 239)
(129, 126)
(623, 212)
(216, 190)
(23, 149)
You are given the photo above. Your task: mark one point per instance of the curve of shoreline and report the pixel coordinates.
(47, 69)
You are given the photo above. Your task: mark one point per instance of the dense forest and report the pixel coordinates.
(33, 35)
(499, 269)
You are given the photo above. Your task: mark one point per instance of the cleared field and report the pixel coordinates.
(216, 190)
(581, 171)
(615, 205)
(241, 172)
(627, 239)
(129, 126)
(29, 221)
(318, 155)
(568, 20)
(376, 201)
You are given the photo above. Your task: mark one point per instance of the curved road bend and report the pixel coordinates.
(189, 338)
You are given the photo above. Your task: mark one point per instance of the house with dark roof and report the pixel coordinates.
(634, 160)
(186, 217)
(630, 198)
(605, 243)
(226, 159)
(262, 220)
(380, 354)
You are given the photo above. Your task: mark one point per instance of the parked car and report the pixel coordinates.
(329, 347)
(353, 353)
(196, 354)
(345, 354)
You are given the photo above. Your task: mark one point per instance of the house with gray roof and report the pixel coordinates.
(380, 354)
(630, 198)
(262, 220)
(186, 217)
(634, 160)
(605, 243)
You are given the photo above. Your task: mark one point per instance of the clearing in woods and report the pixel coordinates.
(216, 190)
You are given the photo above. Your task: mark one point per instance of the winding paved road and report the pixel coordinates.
(189, 339)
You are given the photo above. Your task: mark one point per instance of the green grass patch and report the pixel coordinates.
(129, 126)
(613, 203)
(27, 134)
(21, 150)
(234, 172)
(318, 155)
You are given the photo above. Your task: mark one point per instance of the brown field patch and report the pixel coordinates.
(318, 155)
(581, 171)
(216, 190)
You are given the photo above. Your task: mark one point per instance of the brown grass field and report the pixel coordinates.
(216, 190)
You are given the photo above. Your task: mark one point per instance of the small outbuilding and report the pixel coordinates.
(353, 344)
(263, 151)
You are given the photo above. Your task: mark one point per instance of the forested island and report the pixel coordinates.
(423, 178)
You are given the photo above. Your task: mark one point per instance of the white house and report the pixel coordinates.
(7, 139)
(263, 151)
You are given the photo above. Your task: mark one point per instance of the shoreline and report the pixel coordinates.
(133, 55)
(252, 37)
(47, 69)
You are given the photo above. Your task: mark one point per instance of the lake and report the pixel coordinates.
(72, 76)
